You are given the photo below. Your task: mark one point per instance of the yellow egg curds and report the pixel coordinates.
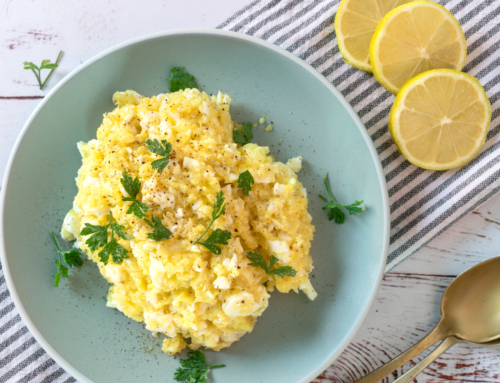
(177, 288)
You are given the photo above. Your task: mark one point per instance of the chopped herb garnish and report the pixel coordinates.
(162, 149)
(99, 238)
(259, 261)
(243, 136)
(72, 257)
(194, 369)
(245, 182)
(132, 187)
(218, 236)
(46, 64)
(180, 80)
(335, 213)
(160, 232)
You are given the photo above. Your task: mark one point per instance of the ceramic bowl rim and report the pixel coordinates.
(214, 32)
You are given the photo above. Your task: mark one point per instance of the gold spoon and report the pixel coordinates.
(409, 375)
(470, 310)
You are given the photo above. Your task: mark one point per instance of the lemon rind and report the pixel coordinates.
(374, 45)
(342, 48)
(398, 107)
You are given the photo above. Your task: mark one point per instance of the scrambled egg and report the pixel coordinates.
(177, 288)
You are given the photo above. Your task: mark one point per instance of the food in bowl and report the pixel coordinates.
(192, 229)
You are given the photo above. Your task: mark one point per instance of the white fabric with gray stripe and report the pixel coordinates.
(423, 203)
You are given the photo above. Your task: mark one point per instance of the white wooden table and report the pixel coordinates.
(407, 305)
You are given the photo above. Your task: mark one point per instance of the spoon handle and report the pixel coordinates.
(445, 345)
(439, 332)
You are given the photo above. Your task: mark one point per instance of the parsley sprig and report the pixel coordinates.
(179, 80)
(99, 238)
(162, 149)
(245, 181)
(244, 135)
(160, 232)
(132, 187)
(218, 236)
(72, 258)
(46, 64)
(259, 261)
(195, 369)
(335, 213)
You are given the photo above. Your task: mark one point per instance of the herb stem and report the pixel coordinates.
(110, 224)
(327, 188)
(335, 212)
(59, 266)
(50, 73)
(205, 232)
(218, 366)
(37, 75)
(55, 243)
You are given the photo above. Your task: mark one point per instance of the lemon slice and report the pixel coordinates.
(414, 38)
(355, 24)
(440, 119)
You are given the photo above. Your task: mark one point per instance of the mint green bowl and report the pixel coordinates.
(295, 339)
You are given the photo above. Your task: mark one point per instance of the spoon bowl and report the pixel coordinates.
(470, 306)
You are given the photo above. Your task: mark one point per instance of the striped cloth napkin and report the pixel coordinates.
(423, 203)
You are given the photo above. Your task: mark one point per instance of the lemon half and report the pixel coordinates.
(440, 119)
(355, 24)
(414, 38)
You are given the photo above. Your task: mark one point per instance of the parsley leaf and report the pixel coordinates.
(162, 149)
(180, 80)
(194, 369)
(257, 260)
(117, 252)
(99, 238)
(218, 236)
(245, 182)
(353, 208)
(335, 213)
(219, 207)
(61, 271)
(132, 187)
(118, 229)
(72, 258)
(283, 271)
(46, 64)
(160, 232)
(245, 135)
(196, 359)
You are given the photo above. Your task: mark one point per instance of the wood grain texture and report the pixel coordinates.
(472, 240)
(36, 30)
(14, 113)
(407, 305)
(407, 308)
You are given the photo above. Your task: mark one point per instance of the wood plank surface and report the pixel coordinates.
(14, 113)
(407, 305)
(36, 30)
(407, 308)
